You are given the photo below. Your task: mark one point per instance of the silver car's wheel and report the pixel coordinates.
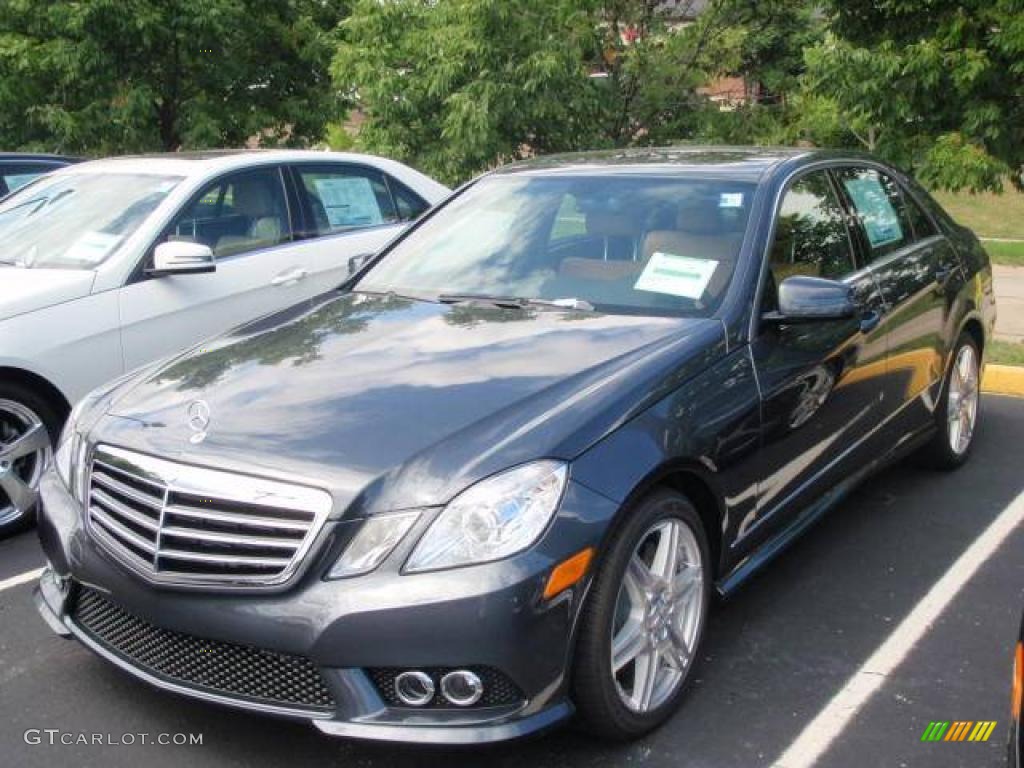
(658, 615)
(962, 410)
(25, 451)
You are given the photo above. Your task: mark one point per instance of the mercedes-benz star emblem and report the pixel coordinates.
(198, 420)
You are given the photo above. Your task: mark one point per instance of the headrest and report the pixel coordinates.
(701, 216)
(254, 198)
(610, 224)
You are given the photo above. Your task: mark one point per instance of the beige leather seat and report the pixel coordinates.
(699, 234)
(619, 255)
(254, 200)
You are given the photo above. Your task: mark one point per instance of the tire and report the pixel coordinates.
(23, 410)
(610, 704)
(946, 451)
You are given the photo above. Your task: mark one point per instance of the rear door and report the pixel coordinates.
(348, 211)
(821, 402)
(244, 217)
(918, 272)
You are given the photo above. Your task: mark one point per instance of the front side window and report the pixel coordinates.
(344, 198)
(77, 220)
(629, 244)
(236, 214)
(879, 205)
(811, 237)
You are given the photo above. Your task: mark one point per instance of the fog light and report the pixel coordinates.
(414, 689)
(462, 688)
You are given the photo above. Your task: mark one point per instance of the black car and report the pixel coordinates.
(495, 478)
(1016, 747)
(18, 168)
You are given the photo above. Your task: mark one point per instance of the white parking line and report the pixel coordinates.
(21, 578)
(819, 734)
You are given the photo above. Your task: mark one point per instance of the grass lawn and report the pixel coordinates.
(987, 214)
(1005, 253)
(1005, 352)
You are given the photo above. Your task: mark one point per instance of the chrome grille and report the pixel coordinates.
(178, 523)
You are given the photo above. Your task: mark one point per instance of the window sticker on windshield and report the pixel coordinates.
(349, 202)
(92, 247)
(876, 211)
(730, 200)
(676, 275)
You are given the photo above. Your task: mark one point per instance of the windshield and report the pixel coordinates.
(78, 220)
(618, 244)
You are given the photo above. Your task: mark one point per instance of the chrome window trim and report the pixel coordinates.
(224, 485)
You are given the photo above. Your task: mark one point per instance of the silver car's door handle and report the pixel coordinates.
(290, 276)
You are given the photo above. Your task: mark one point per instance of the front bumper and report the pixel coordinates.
(490, 616)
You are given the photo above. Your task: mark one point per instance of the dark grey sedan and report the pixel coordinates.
(494, 479)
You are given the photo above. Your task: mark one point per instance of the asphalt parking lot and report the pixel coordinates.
(778, 652)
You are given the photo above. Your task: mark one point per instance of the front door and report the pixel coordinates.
(244, 218)
(821, 403)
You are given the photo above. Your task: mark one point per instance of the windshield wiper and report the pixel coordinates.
(516, 302)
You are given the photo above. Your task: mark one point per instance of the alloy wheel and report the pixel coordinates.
(25, 451)
(962, 411)
(658, 615)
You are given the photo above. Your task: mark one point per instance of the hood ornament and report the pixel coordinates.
(198, 420)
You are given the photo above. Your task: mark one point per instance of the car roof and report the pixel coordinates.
(748, 163)
(201, 163)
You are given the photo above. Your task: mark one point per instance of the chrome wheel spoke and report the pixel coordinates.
(666, 556)
(21, 496)
(962, 404)
(35, 440)
(639, 579)
(687, 583)
(628, 644)
(645, 679)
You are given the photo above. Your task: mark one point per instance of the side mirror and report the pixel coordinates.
(180, 257)
(356, 263)
(805, 299)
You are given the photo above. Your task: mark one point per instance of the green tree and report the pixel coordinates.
(457, 86)
(104, 76)
(936, 86)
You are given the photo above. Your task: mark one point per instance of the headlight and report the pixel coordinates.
(495, 518)
(66, 445)
(375, 540)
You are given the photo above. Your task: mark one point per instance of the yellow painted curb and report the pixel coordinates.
(1003, 380)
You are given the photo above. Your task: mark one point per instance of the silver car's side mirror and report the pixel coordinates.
(180, 257)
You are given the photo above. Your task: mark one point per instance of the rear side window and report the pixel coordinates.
(879, 205)
(811, 237)
(410, 205)
(344, 198)
(923, 226)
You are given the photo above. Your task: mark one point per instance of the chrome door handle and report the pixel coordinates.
(290, 277)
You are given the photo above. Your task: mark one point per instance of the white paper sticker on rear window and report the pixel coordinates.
(676, 275)
(730, 200)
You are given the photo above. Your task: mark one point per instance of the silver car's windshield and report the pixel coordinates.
(76, 221)
(614, 243)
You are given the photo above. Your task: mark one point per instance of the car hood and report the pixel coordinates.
(394, 403)
(26, 290)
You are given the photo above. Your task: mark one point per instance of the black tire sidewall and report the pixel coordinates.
(51, 418)
(599, 706)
